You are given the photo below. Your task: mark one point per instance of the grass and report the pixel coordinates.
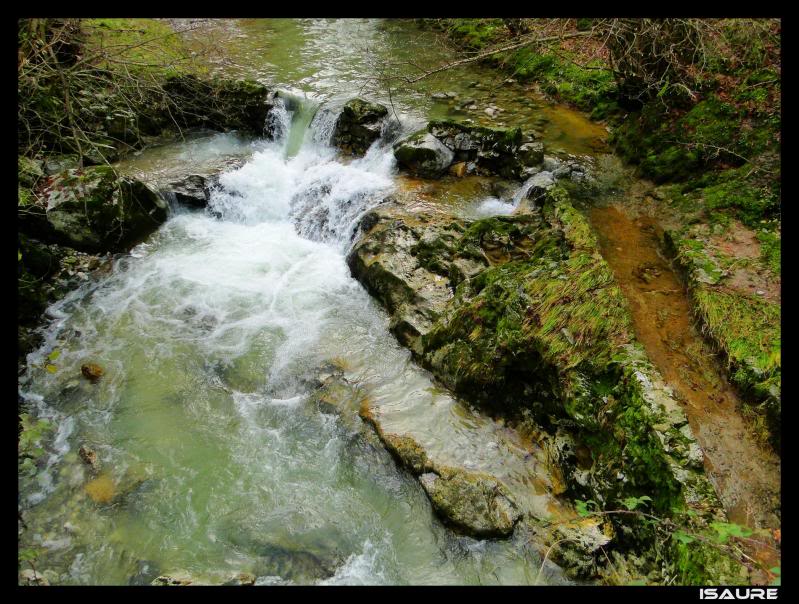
(771, 250)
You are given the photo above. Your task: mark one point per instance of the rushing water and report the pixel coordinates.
(214, 459)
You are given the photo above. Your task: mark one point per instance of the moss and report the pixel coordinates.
(476, 33)
(591, 90)
(531, 314)
(745, 328)
(152, 45)
(749, 201)
(771, 250)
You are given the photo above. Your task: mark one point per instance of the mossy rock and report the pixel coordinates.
(358, 126)
(96, 210)
(423, 154)
(473, 501)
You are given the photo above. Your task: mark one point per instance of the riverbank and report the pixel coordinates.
(716, 157)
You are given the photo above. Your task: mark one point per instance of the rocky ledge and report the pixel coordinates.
(521, 315)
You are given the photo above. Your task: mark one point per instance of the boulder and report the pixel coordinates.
(194, 190)
(95, 210)
(473, 501)
(358, 126)
(531, 154)
(490, 151)
(423, 154)
(218, 104)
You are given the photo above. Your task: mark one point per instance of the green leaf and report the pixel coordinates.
(725, 530)
(51, 368)
(582, 508)
(19, 256)
(633, 502)
(683, 537)
(54, 355)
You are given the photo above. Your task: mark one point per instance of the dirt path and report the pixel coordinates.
(746, 476)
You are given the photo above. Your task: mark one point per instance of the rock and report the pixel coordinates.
(531, 153)
(358, 126)
(534, 192)
(96, 210)
(475, 502)
(30, 577)
(218, 104)
(89, 457)
(550, 164)
(458, 169)
(241, 579)
(490, 111)
(92, 372)
(59, 163)
(193, 190)
(505, 330)
(493, 150)
(175, 579)
(423, 154)
(405, 449)
(29, 171)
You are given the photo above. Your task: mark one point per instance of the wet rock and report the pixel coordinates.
(218, 104)
(475, 502)
(175, 579)
(531, 153)
(89, 457)
(536, 191)
(146, 574)
(423, 154)
(296, 565)
(95, 210)
(104, 489)
(493, 150)
(241, 579)
(92, 372)
(194, 190)
(458, 169)
(358, 126)
(405, 449)
(511, 336)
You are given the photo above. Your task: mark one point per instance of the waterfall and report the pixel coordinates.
(300, 178)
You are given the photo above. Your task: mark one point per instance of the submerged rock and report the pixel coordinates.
(89, 457)
(358, 126)
(92, 372)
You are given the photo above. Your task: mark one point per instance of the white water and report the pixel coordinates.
(211, 335)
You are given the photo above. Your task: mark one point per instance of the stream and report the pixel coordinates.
(215, 460)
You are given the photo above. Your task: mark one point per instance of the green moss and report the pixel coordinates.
(771, 250)
(147, 45)
(749, 201)
(748, 330)
(476, 33)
